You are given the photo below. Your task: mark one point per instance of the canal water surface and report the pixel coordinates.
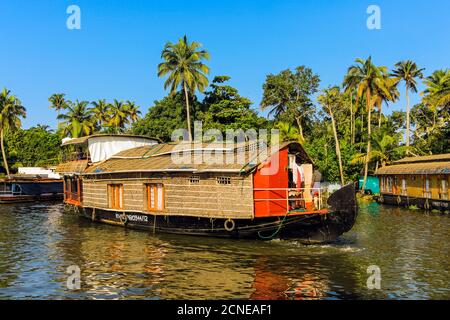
(38, 242)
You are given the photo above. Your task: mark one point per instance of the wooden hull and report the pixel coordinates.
(423, 203)
(310, 228)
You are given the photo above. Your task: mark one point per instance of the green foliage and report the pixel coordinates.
(163, 118)
(225, 109)
(36, 146)
(222, 108)
(288, 96)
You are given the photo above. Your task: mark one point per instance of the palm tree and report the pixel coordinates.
(184, 68)
(391, 96)
(58, 102)
(437, 92)
(288, 132)
(78, 121)
(408, 72)
(100, 112)
(132, 111)
(331, 100)
(385, 149)
(11, 110)
(118, 116)
(369, 81)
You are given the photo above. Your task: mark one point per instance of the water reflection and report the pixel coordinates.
(38, 242)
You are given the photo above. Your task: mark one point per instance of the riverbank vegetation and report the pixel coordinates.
(344, 127)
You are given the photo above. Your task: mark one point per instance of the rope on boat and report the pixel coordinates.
(276, 231)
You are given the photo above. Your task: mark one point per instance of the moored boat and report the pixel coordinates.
(189, 189)
(417, 181)
(31, 184)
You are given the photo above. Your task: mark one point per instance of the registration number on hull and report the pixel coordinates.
(133, 217)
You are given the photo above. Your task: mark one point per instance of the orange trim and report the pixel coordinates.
(115, 195)
(155, 187)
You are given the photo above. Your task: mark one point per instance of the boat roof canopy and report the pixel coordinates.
(159, 158)
(84, 140)
(435, 164)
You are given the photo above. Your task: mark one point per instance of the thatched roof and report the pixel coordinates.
(186, 157)
(433, 158)
(72, 167)
(416, 168)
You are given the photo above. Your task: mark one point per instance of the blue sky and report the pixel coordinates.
(116, 52)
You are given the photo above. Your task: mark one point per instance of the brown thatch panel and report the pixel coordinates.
(416, 168)
(432, 158)
(159, 158)
(72, 167)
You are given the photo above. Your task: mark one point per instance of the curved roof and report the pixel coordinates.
(416, 168)
(187, 157)
(431, 158)
(84, 140)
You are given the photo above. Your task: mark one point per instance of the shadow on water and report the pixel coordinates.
(38, 242)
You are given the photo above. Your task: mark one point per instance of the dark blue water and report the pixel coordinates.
(38, 242)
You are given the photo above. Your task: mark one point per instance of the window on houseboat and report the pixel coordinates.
(389, 184)
(194, 180)
(155, 197)
(115, 194)
(444, 189)
(427, 192)
(404, 188)
(224, 180)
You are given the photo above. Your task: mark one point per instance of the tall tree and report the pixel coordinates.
(331, 101)
(78, 120)
(408, 72)
(287, 95)
(58, 102)
(183, 65)
(369, 81)
(11, 110)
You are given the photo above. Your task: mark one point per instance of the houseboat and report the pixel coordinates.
(31, 184)
(417, 181)
(172, 188)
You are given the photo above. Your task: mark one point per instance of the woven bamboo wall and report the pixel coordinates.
(207, 198)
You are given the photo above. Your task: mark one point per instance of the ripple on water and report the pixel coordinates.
(38, 242)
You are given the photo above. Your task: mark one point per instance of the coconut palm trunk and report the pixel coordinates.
(338, 148)
(188, 111)
(408, 124)
(369, 136)
(5, 162)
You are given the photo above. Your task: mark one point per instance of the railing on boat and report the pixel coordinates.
(294, 198)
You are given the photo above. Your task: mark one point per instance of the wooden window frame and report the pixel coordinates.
(443, 193)
(116, 196)
(147, 189)
(427, 193)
